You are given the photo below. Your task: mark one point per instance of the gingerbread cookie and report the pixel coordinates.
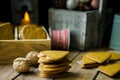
(88, 63)
(110, 69)
(42, 68)
(99, 57)
(54, 65)
(114, 56)
(6, 31)
(54, 54)
(44, 60)
(40, 33)
(89, 66)
(44, 75)
(31, 31)
(86, 60)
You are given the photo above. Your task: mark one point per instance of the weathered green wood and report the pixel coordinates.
(82, 25)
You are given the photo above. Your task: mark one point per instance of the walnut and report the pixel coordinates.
(32, 58)
(21, 65)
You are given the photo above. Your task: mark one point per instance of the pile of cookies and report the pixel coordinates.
(31, 31)
(53, 63)
(106, 62)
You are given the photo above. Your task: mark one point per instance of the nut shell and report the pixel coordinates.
(32, 58)
(21, 65)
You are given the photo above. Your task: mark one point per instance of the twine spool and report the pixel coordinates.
(60, 39)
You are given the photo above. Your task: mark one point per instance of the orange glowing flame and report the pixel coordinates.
(26, 19)
(26, 16)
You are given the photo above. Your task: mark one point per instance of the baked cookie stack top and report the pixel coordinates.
(53, 63)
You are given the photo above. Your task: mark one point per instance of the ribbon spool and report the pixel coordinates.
(60, 39)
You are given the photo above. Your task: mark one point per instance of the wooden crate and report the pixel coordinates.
(83, 26)
(11, 49)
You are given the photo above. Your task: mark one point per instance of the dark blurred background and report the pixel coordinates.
(112, 5)
(5, 8)
(6, 13)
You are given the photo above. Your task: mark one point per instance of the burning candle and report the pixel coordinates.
(26, 19)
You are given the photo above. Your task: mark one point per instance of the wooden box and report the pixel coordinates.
(83, 26)
(11, 49)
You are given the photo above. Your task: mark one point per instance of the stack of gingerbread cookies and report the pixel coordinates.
(106, 62)
(53, 63)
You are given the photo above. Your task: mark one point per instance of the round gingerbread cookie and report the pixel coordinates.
(40, 33)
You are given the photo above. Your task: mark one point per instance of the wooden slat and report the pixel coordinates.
(7, 72)
(73, 54)
(76, 73)
(19, 48)
(102, 76)
(34, 75)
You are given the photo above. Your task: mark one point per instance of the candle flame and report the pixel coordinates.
(26, 16)
(26, 19)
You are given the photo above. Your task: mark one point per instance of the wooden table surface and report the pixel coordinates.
(75, 73)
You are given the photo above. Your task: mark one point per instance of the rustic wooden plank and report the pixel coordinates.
(102, 76)
(73, 54)
(7, 72)
(34, 75)
(76, 73)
